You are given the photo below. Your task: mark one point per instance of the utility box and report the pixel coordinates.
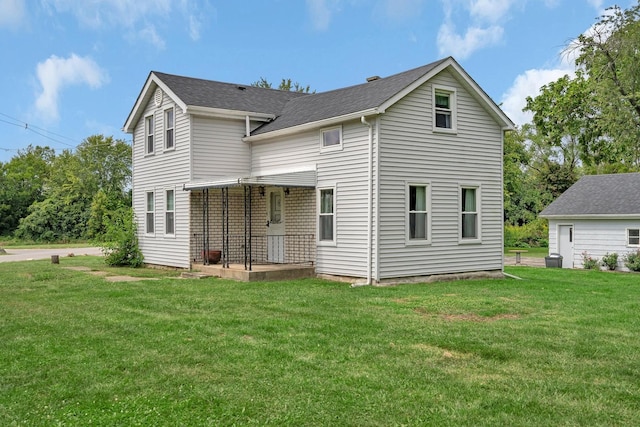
(553, 261)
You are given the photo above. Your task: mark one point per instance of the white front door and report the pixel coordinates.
(275, 225)
(565, 245)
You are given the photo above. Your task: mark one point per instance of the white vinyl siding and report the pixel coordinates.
(158, 173)
(411, 151)
(218, 150)
(347, 170)
(597, 237)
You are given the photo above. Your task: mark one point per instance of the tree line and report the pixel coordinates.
(584, 124)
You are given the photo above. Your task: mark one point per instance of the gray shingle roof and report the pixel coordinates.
(291, 108)
(616, 194)
(343, 101)
(229, 96)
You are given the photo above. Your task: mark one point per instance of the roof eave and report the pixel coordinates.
(591, 216)
(229, 114)
(310, 126)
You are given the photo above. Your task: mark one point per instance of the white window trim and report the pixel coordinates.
(408, 240)
(627, 233)
(173, 147)
(147, 211)
(337, 147)
(166, 211)
(318, 202)
(147, 134)
(452, 91)
(478, 238)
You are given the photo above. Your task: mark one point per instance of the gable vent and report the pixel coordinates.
(157, 97)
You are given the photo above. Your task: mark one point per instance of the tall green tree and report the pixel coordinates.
(22, 182)
(609, 55)
(285, 84)
(83, 185)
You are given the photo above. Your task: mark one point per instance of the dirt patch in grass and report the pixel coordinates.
(110, 278)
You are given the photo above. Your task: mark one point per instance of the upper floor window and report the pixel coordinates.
(470, 214)
(331, 139)
(168, 129)
(148, 129)
(418, 213)
(444, 109)
(326, 217)
(170, 213)
(633, 236)
(150, 212)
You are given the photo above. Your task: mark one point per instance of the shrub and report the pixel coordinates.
(610, 261)
(589, 263)
(632, 260)
(532, 234)
(121, 241)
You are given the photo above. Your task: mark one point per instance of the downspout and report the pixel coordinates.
(370, 200)
(247, 126)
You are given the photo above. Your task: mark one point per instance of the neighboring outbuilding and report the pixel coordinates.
(597, 215)
(390, 180)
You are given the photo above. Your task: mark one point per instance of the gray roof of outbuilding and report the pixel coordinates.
(339, 102)
(228, 96)
(615, 194)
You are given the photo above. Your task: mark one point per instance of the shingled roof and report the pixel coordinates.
(595, 195)
(228, 96)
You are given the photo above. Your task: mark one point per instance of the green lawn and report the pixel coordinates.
(557, 348)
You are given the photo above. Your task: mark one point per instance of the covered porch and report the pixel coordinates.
(259, 224)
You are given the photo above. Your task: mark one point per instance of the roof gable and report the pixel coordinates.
(598, 195)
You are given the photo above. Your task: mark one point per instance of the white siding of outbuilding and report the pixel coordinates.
(162, 171)
(596, 237)
(411, 152)
(347, 171)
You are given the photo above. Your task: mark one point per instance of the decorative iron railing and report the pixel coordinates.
(277, 249)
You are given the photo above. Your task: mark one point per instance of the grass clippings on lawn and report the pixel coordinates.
(557, 348)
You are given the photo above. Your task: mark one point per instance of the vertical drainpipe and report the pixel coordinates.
(369, 199)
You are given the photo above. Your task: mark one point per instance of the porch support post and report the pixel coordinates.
(226, 219)
(246, 264)
(205, 226)
(225, 231)
(250, 232)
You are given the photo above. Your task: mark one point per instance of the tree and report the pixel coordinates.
(82, 188)
(285, 84)
(22, 182)
(609, 56)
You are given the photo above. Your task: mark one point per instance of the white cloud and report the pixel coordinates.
(132, 14)
(490, 10)
(12, 13)
(150, 35)
(452, 43)
(55, 73)
(399, 10)
(319, 13)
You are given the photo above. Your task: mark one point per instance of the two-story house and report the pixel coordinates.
(394, 179)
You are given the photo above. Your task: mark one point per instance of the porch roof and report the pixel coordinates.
(302, 177)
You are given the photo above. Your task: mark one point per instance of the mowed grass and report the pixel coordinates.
(557, 348)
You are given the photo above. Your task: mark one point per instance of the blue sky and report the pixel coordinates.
(73, 68)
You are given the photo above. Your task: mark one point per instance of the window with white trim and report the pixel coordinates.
(469, 213)
(170, 212)
(331, 139)
(633, 237)
(418, 213)
(326, 215)
(148, 130)
(444, 109)
(169, 142)
(150, 219)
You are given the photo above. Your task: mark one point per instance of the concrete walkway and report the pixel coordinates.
(31, 254)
